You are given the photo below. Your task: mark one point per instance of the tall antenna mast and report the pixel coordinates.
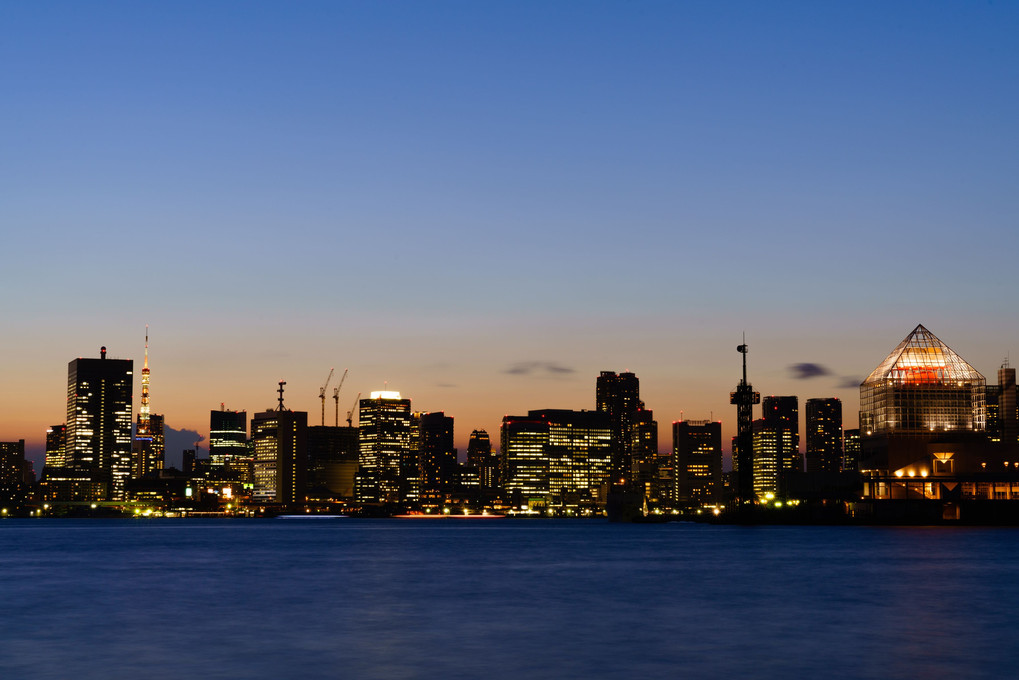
(143, 412)
(280, 390)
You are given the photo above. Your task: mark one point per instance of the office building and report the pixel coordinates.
(525, 466)
(697, 462)
(280, 441)
(56, 437)
(98, 439)
(385, 452)
(13, 487)
(618, 396)
(851, 451)
(579, 455)
(824, 435)
(332, 461)
(484, 460)
(436, 455)
(229, 450)
(644, 454)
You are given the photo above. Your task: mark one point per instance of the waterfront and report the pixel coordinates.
(502, 599)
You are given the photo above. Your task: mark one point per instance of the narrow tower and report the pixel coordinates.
(743, 457)
(143, 411)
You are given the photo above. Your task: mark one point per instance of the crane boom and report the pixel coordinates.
(322, 394)
(336, 395)
(353, 410)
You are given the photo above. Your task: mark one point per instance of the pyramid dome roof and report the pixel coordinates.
(922, 359)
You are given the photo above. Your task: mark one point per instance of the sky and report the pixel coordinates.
(483, 204)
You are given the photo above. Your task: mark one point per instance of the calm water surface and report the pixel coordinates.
(503, 599)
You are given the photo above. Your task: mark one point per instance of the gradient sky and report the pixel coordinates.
(487, 203)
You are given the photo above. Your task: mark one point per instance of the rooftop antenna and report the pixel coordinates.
(280, 390)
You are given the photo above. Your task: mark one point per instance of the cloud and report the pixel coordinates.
(808, 370)
(849, 382)
(177, 441)
(538, 367)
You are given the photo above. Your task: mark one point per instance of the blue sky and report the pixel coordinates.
(430, 193)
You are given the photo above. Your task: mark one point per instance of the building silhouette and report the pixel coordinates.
(851, 450)
(484, 459)
(744, 397)
(697, 462)
(332, 461)
(436, 456)
(618, 396)
(98, 436)
(13, 466)
(824, 435)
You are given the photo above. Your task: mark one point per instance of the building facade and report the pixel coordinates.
(98, 434)
(824, 435)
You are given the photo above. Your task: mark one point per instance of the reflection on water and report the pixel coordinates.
(502, 599)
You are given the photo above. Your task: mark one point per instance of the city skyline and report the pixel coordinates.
(488, 205)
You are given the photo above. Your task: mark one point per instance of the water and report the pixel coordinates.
(503, 599)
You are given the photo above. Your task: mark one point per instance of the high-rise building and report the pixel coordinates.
(579, 456)
(332, 461)
(824, 435)
(619, 397)
(644, 455)
(437, 455)
(524, 468)
(851, 451)
(56, 437)
(697, 462)
(280, 439)
(774, 444)
(384, 450)
(228, 443)
(483, 459)
(99, 394)
(12, 472)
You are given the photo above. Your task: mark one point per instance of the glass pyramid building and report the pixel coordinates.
(922, 387)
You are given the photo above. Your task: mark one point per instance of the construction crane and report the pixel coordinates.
(336, 395)
(322, 395)
(353, 410)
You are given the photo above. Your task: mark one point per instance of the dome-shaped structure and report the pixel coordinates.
(923, 386)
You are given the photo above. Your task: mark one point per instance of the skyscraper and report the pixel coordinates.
(228, 443)
(384, 442)
(697, 462)
(99, 394)
(481, 456)
(776, 446)
(578, 451)
(824, 435)
(525, 468)
(12, 472)
(619, 397)
(281, 455)
(437, 455)
(56, 437)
